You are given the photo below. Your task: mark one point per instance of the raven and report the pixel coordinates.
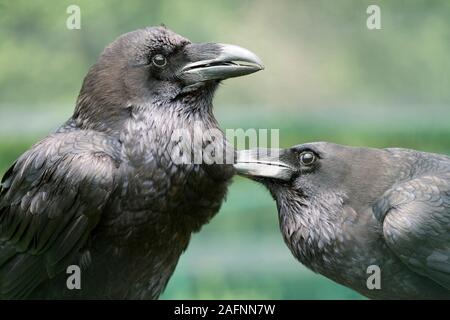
(351, 213)
(103, 193)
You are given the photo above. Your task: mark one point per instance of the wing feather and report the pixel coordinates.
(416, 225)
(50, 201)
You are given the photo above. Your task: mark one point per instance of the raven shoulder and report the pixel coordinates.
(50, 200)
(415, 213)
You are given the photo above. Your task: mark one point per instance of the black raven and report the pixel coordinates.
(353, 213)
(103, 192)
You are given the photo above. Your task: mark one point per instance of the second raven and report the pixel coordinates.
(347, 212)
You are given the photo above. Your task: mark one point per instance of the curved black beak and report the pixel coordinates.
(265, 163)
(216, 61)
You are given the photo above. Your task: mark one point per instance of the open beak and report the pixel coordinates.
(264, 163)
(216, 61)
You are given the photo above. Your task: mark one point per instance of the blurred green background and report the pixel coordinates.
(327, 77)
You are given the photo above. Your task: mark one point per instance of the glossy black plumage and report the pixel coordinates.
(103, 191)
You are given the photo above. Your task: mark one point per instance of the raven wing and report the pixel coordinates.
(416, 225)
(50, 200)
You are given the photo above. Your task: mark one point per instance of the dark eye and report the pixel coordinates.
(307, 158)
(159, 60)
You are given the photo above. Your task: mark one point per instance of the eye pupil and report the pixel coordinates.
(307, 158)
(159, 60)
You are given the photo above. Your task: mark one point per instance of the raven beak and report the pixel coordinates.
(264, 163)
(216, 61)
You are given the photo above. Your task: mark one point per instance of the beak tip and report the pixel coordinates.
(232, 52)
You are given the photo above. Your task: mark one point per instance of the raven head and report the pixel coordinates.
(155, 66)
(321, 171)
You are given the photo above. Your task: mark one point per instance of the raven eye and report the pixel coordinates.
(159, 61)
(307, 158)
